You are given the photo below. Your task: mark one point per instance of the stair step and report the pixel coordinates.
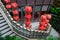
(1, 18)
(2, 21)
(5, 31)
(0, 15)
(4, 27)
(12, 34)
(3, 24)
(8, 33)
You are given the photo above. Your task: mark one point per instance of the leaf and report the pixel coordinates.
(18, 38)
(49, 38)
(1, 38)
(59, 38)
(52, 10)
(8, 37)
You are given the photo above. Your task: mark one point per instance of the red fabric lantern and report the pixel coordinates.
(16, 18)
(28, 9)
(41, 28)
(8, 6)
(47, 21)
(43, 17)
(15, 12)
(28, 17)
(46, 25)
(27, 23)
(7, 1)
(42, 23)
(48, 16)
(14, 4)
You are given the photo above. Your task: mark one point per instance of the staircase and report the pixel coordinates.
(4, 27)
(6, 30)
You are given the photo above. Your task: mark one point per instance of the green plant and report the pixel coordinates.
(13, 38)
(49, 38)
(55, 18)
(1, 38)
(52, 38)
(55, 10)
(55, 38)
(8, 37)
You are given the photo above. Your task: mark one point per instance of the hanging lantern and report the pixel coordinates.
(42, 23)
(14, 4)
(27, 17)
(28, 9)
(27, 23)
(48, 16)
(45, 25)
(16, 18)
(8, 6)
(7, 1)
(15, 12)
(43, 17)
(41, 28)
(46, 21)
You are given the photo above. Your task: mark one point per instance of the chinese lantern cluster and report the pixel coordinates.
(44, 20)
(8, 5)
(15, 11)
(13, 5)
(15, 15)
(28, 10)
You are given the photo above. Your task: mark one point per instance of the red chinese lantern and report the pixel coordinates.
(43, 17)
(16, 18)
(45, 25)
(42, 23)
(48, 16)
(28, 9)
(27, 23)
(15, 12)
(7, 1)
(47, 21)
(8, 6)
(14, 4)
(28, 17)
(41, 28)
